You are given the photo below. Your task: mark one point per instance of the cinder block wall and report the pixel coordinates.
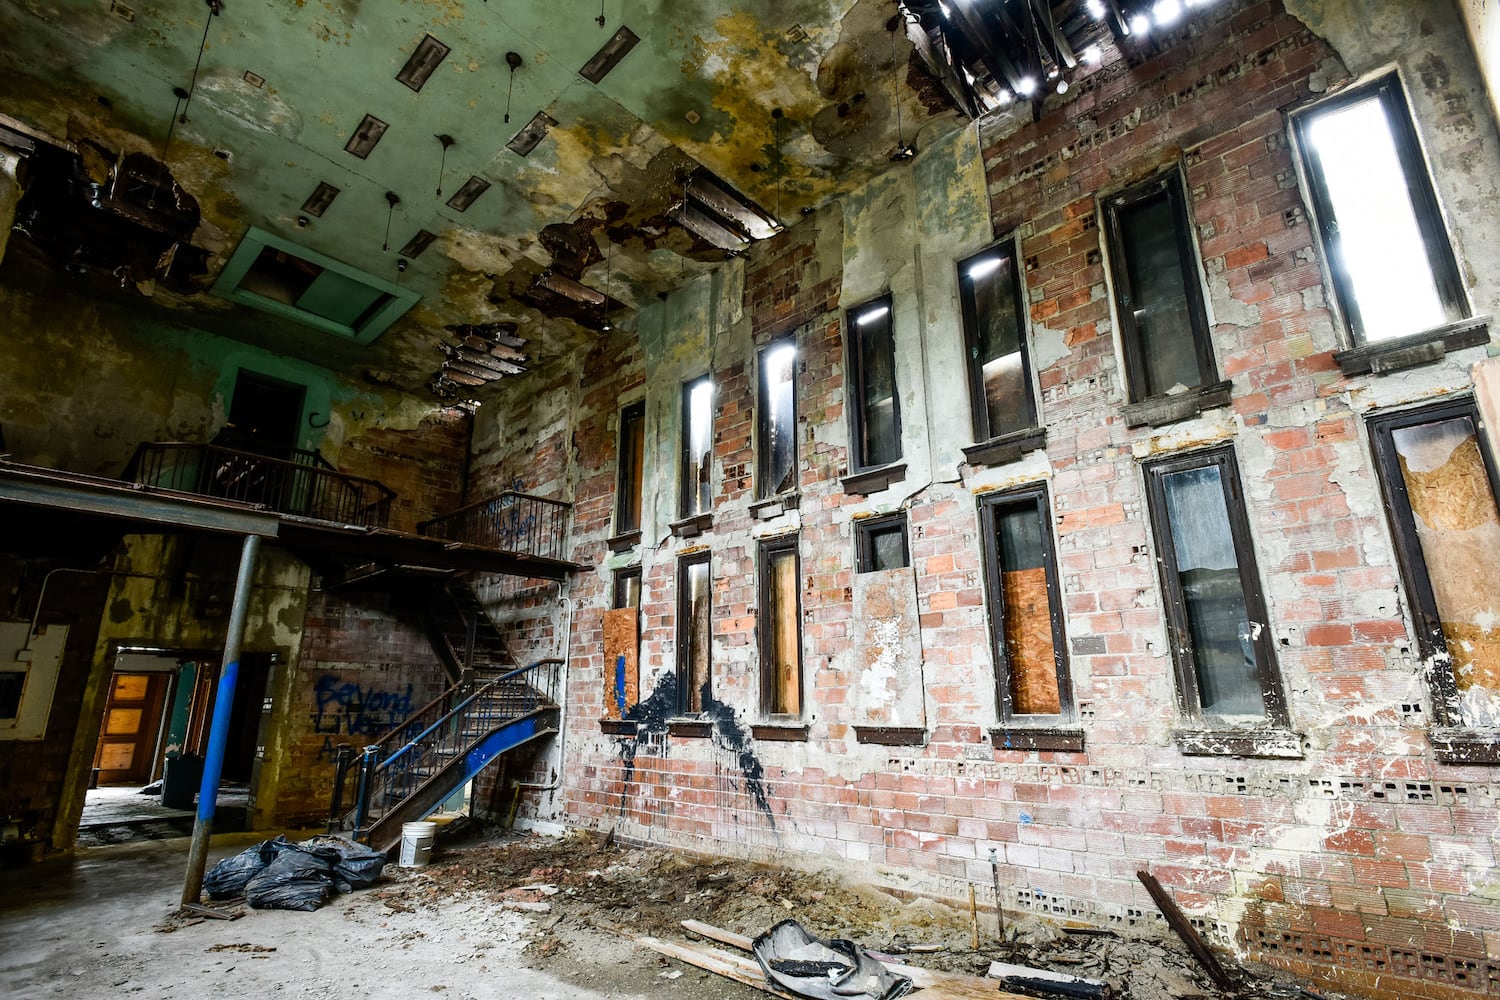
(1365, 862)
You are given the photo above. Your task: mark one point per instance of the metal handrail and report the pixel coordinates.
(510, 522)
(287, 487)
(494, 703)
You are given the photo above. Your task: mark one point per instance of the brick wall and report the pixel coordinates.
(365, 665)
(424, 465)
(1364, 862)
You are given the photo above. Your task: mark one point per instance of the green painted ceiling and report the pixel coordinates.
(698, 89)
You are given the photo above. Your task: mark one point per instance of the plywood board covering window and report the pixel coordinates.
(780, 629)
(1448, 527)
(694, 637)
(1025, 612)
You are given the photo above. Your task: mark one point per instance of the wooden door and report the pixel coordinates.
(127, 737)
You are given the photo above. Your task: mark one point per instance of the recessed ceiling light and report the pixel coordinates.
(609, 55)
(417, 244)
(524, 141)
(423, 62)
(693, 117)
(317, 203)
(363, 141)
(468, 194)
(254, 79)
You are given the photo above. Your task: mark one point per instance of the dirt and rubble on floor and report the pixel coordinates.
(587, 897)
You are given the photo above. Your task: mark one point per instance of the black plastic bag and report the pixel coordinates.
(294, 880)
(354, 866)
(229, 877)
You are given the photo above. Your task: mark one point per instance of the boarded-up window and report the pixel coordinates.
(1025, 616)
(1442, 504)
(780, 629)
(694, 640)
(697, 446)
(776, 420)
(632, 461)
(1220, 640)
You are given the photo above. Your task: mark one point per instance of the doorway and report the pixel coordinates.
(265, 414)
(130, 735)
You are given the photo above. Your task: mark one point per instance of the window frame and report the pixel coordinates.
(1431, 224)
(864, 547)
(1010, 249)
(1179, 631)
(618, 588)
(765, 626)
(1410, 560)
(685, 509)
(1034, 495)
(684, 626)
(856, 382)
(631, 414)
(763, 489)
(1173, 183)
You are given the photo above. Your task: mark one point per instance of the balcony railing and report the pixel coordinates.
(288, 487)
(510, 522)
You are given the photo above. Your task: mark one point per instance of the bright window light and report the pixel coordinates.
(980, 268)
(1378, 236)
(1167, 11)
(871, 315)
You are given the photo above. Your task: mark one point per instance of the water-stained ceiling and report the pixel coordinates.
(750, 111)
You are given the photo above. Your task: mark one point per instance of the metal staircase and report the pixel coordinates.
(493, 707)
(418, 765)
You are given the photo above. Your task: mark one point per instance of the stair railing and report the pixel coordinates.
(509, 521)
(385, 780)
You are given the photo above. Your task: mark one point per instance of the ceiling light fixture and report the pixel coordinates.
(446, 140)
(1026, 86)
(423, 62)
(366, 136)
(776, 116)
(317, 203)
(1166, 11)
(904, 150)
(600, 19)
(1140, 24)
(609, 55)
(531, 135)
(514, 61)
(391, 200)
(184, 98)
(417, 244)
(1096, 9)
(468, 194)
(609, 253)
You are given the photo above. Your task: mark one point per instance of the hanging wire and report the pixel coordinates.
(609, 254)
(513, 60)
(184, 99)
(600, 18)
(391, 200)
(776, 115)
(446, 140)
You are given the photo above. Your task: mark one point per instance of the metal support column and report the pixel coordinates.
(218, 734)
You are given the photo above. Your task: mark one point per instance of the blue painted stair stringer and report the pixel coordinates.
(478, 757)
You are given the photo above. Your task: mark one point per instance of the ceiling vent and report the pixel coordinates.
(317, 203)
(468, 194)
(609, 55)
(423, 62)
(279, 277)
(717, 213)
(362, 142)
(529, 137)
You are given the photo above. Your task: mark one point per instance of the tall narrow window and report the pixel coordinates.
(1026, 625)
(1154, 267)
(989, 285)
(776, 420)
(1382, 234)
(780, 627)
(694, 636)
(1217, 618)
(697, 446)
(631, 463)
(876, 411)
(1440, 492)
(627, 588)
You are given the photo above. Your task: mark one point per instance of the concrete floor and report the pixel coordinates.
(97, 925)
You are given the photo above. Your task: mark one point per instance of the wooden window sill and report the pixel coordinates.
(694, 729)
(625, 541)
(1465, 746)
(1417, 349)
(692, 527)
(771, 507)
(780, 732)
(1037, 738)
(619, 727)
(1158, 411)
(1007, 447)
(891, 736)
(874, 480)
(1277, 744)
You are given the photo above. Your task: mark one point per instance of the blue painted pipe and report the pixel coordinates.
(218, 740)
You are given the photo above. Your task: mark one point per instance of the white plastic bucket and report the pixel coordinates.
(416, 844)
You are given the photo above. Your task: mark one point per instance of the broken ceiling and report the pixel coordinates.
(303, 119)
